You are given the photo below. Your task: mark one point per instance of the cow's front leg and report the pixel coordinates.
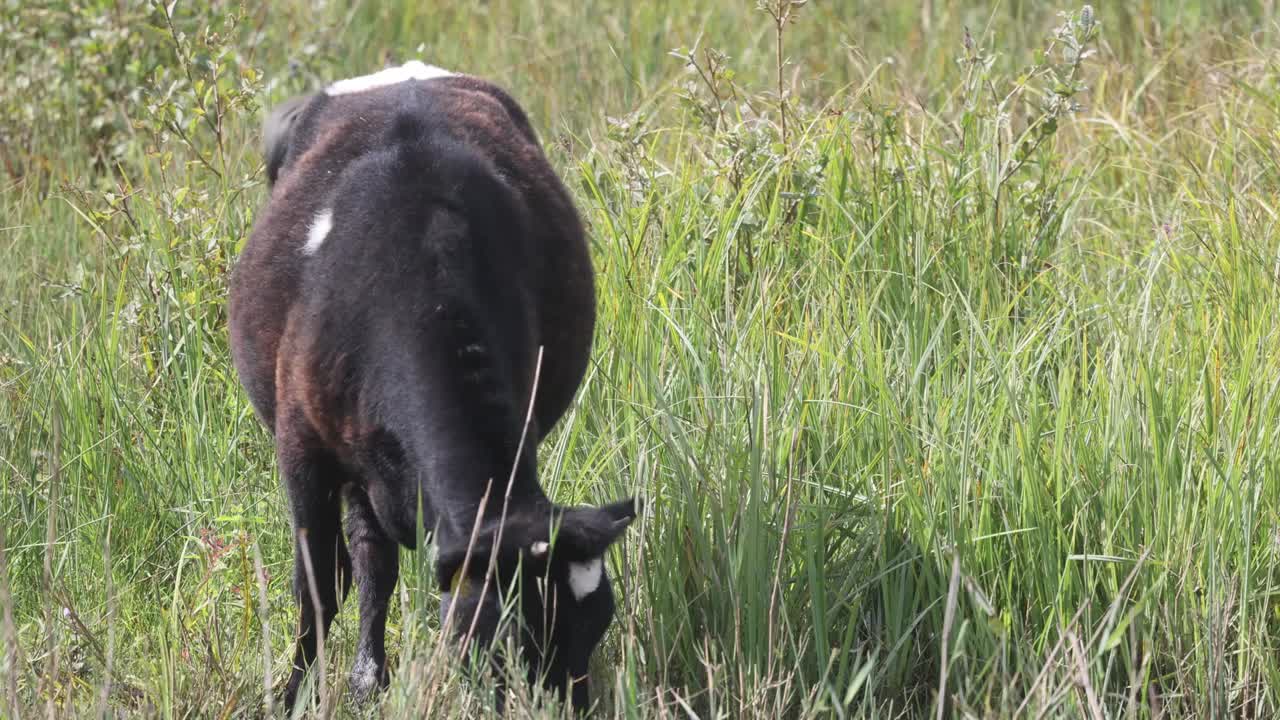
(376, 566)
(312, 481)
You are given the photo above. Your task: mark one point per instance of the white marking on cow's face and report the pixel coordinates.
(585, 577)
(412, 70)
(318, 231)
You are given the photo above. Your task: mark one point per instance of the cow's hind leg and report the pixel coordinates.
(376, 567)
(312, 481)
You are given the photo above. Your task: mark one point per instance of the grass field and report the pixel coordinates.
(942, 336)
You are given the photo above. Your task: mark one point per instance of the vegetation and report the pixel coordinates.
(942, 338)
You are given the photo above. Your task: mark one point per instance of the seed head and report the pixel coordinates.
(1086, 18)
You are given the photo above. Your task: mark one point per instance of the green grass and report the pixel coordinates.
(918, 417)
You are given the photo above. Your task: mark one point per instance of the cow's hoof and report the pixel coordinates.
(367, 680)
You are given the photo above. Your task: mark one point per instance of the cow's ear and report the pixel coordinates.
(586, 532)
(277, 132)
(624, 511)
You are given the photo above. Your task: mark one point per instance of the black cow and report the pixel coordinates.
(418, 265)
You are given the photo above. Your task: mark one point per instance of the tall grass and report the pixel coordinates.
(959, 399)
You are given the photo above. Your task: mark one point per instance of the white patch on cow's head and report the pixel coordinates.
(318, 231)
(412, 70)
(585, 577)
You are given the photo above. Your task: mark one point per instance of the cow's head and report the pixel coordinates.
(548, 564)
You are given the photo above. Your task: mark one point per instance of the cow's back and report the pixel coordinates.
(328, 134)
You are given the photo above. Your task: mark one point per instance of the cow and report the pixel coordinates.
(412, 313)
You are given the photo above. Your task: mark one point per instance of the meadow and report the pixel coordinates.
(942, 338)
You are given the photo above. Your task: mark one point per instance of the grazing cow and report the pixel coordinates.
(417, 270)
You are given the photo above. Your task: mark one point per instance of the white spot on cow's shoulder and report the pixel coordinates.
(318, 231)
(585, 577)
(422, 71)
(412, 70)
